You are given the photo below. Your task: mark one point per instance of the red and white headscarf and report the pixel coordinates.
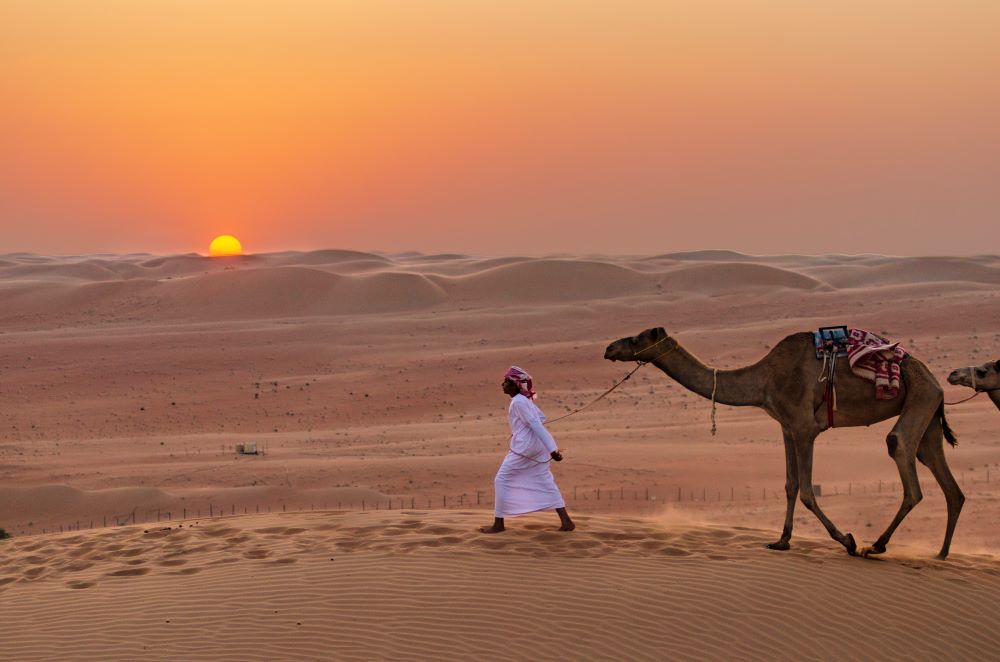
(523, 381)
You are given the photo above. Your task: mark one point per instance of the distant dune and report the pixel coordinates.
(734, 277)
(535, 281)
(335, 282)
(915, 270)
(293, 291)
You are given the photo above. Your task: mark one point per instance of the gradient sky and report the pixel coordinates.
(513, 126)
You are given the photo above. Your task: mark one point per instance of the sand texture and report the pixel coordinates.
(372, 383)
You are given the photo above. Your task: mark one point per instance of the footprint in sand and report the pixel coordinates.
(128, 572)
(215, 533)
(7, 580)
(284, 561)
(169, 563)
(257, 554)
(674, 551)
(187, 571)
(78, 585)
(549, 536)
(34, 573)
(228, 559)
(78, 565)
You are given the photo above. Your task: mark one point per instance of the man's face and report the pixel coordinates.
(510, 388)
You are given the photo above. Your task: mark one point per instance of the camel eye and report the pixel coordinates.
(980, 372)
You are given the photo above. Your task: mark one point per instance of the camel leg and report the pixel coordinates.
(804, 458)
(907, 465)
(903, 442)
(931, 453)
(791, 492)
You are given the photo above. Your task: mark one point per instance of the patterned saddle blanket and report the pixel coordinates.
(870, 356)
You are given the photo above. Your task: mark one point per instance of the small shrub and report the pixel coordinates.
(4, 534)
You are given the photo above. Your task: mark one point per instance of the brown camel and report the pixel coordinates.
(786, 385)
(984, 377)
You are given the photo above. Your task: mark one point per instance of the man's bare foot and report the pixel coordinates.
(567, 523)
(496, 528)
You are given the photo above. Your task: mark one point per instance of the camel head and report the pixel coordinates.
(984, 377)
(645, 346)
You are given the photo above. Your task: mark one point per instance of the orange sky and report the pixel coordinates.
(500, 127)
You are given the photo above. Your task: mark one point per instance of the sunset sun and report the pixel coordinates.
(225, 244)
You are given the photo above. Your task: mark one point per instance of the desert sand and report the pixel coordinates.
(372, 383)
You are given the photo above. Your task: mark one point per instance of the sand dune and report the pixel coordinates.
(290, 291)
(418, 585)
(537, 281)
(84, 271)
(728, 278)
(295, 284)
(328, 256)
(915, 270)
(126, 382)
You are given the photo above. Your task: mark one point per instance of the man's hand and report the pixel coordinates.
(557, 456)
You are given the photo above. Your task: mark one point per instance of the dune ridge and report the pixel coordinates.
(424, 584)
(332, 282)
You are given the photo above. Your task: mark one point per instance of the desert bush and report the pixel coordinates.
(4, 534)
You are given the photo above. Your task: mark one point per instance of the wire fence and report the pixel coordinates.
(600, 499)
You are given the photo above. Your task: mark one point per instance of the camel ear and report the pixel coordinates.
(660, 332)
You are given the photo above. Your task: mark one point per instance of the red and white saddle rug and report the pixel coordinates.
(874, 358)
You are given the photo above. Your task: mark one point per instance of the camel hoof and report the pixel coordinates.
(872, 551)
(781, 545)
(942, 556)
(850, 545)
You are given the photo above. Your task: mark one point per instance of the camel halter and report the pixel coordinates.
(972, 375)
(639, 364)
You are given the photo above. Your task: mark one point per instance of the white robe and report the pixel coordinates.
(524, 483)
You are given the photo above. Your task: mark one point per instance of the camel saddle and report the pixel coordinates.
(831, 339)
(831, 342)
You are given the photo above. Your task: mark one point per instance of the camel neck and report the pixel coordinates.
(738, 387)
(995, 397)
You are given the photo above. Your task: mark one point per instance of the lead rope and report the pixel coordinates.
(619, 382)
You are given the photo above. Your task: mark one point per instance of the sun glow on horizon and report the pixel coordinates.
(224, 245)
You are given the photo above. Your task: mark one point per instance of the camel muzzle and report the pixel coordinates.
(961, 377)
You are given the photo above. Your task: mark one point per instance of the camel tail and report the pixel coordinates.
(949, 434)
